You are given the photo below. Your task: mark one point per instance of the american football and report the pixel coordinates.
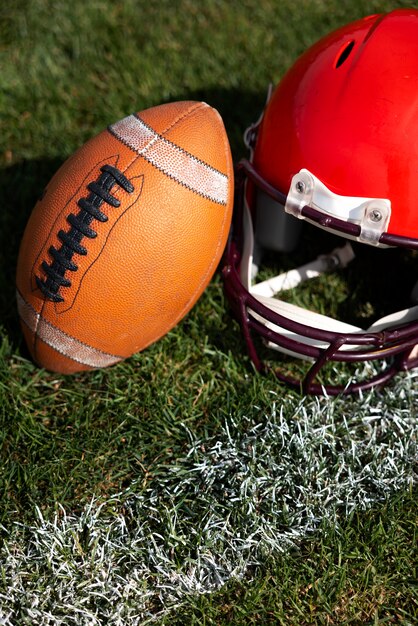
(125, 237)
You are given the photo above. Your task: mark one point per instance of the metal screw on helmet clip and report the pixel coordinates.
(375, 215)
(300, 187)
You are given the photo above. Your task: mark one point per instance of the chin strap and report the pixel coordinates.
(338, 258)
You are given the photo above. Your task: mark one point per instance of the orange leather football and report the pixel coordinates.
(126, 237)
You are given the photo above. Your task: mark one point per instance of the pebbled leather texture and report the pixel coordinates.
(153, 257)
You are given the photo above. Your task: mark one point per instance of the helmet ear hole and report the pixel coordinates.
(275, 229)
(344, 53)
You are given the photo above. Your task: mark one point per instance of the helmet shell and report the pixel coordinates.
(347, 111)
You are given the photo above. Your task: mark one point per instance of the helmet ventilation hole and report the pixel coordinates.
(344, 53)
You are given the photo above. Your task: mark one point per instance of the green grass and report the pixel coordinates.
(342, 579)
(185, 433)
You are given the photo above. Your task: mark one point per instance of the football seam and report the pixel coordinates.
(195, 106)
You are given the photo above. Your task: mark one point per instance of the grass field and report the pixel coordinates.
(179, 487)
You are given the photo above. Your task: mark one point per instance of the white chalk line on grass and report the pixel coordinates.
(257, 487)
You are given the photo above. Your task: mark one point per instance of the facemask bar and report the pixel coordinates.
(397, 342)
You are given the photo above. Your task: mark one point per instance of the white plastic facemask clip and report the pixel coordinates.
(371, 214)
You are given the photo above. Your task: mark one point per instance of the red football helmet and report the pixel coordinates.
(336, 146)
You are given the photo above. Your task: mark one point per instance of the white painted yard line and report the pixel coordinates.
(262, 483)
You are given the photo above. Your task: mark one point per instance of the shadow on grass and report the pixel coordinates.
(20, 186)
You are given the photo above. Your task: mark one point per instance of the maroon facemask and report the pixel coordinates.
(335, 147)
